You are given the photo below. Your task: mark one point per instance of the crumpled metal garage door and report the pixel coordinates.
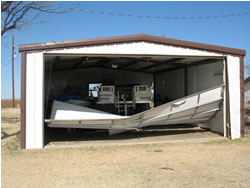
(196, 108)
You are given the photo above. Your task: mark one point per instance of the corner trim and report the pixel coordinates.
(227, 110)
(242, 109)
(23, 102)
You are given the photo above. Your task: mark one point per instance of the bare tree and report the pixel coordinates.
(17, 15)
(247, 67)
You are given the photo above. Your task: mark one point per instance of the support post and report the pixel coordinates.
(23, 102)
(185, 81)
(227, 101)
(242, 108)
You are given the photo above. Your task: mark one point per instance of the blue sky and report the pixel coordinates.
(231, 32)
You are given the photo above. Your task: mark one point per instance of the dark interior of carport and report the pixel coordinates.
(169, 78)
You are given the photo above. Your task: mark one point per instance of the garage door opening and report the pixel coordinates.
(125, 86)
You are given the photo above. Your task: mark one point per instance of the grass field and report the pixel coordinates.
(212, 164)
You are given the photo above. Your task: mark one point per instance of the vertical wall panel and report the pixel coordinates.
(170, 85)
(203, 77)
(225, 98)
(34, 102)
(30, 101)
(234, 95)
(38, 108)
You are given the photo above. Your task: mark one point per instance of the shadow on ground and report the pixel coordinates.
(5, 135)
(54, 134)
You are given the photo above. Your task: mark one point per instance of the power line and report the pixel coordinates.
(155, 17)
(162, 17)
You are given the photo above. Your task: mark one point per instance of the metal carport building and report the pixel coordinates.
(176, 68)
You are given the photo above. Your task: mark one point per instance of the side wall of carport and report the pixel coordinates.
(33, 101)
(236, 105)
(33, 128)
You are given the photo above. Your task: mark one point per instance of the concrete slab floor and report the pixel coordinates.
(148, 136)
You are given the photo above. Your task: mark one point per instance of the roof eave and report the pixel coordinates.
(130, 38)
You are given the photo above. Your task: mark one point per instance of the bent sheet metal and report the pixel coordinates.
(197, 108)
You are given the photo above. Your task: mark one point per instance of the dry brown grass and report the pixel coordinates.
(212, 164)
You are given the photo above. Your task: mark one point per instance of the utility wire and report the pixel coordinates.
(162, 17)
(154, 17)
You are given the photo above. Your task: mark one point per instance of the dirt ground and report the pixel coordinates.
(212, 164)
